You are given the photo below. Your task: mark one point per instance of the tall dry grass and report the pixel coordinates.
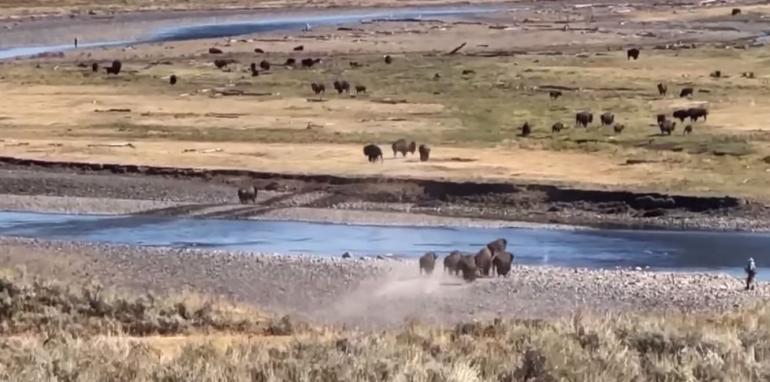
(726, 347)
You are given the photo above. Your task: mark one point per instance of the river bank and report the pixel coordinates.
(375, 293)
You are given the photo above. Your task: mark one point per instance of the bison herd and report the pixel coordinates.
(491, 258)
(374, 153)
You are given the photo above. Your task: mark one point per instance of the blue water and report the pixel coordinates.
(660, 250)
(215, 28)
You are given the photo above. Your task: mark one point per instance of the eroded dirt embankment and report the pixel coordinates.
(186, 190)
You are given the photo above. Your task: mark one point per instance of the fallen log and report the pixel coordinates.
(455, 50)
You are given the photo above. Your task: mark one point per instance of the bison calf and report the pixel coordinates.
(618, 128)
(687, 130)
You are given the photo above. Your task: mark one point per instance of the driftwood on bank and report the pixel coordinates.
(455, 50)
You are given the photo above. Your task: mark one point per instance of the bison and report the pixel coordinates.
(373, 152)
(607, 118)
(716, 74)
(662, 89)
(388, 59)
(258, 51)
(318, 88)
(498, 245)
(452, 261)
(290, 62)
(360, 89)
(401, 146)
(633, 53)
(697, 112)
(660, 118)
(247, 194)
(307, 62)
(667, 127)
(424, 153)
(222, 63)
(687, 130)
(341, 86)
(501, 262)
(735, 12)
(584, 118)
(428, 262)
(264, 65)
(467, 266)
(618, 128)
(681, 114)
(557, 127)
(95, 67)
(299, 48)
(172, 79)
(686, 92)
(354, 64)
(215, 51)
(115, 68)
(483, 261)
(526, 129)
(554, 94)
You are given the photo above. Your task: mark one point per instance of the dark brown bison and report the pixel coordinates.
(222, 63)
(451, 262)
(607, 118)
(258, 51)
(584, 118)
(557, 127)
(681, 114)
(246, 195)
(554, 94)
(747, 75)
(660, 118)
(467, 266)
(373, 152)
(618, 128)
(735, 11)
(318, 88)
(215, 51)
(687, 130)
(264, 65)
(401, 146)
(360, 89)
(697, 112)
(307, 62)
(341, 86)
(686, 92)
(526, 129)
(299, 48)
(662, 89)
(484, 261)
(172, 79)
(633, 53)
(667, 127)
(95, 67)
(498, 245)
(716, 74)
(428, 262)
(354, 64)
(388, 59)
(290, 62)
(115, 68)
(424, 153)
(502, 263)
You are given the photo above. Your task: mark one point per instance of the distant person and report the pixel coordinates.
(76, 42)
(751, 272)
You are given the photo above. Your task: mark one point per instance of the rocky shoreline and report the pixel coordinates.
(370, 292)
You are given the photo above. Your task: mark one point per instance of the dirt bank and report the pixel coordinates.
(374, 293)
(212, 193)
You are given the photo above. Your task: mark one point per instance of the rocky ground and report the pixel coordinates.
(371, 292)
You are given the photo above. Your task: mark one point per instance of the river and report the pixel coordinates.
(659, 250)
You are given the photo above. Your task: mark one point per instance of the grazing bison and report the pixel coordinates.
(299, 48)
(247, 194)
(736, 11)
(662, 89)
(484, 261)
(115, 68)
(95, 67)
(318, 88)
(373, 152)
(360, 89)
(554, 94)
(697, 112)
(264, 65)
(258, 50)
(452, 261)
(660, 118)
(215, 51)
(467, 266)
(388, 59)
(667, 127)
(341, 86)
(498, 245)
(502, 263)
(607, 118)
(307, 62)
(682, 114)
(618, 128)
(424, 153)
(687, 130)
(584, 118)
(633, 53)
(526, 129)
(428, 262)
(557, 127)
(401, 146)
(290, 62)
(172, 79)
(686, 92)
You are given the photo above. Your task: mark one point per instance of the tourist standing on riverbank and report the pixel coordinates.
(751, 272)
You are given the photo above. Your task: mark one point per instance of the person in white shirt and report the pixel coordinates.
(751, 272)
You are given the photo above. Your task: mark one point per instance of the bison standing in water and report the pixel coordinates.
(428, 262)
(607, 118)
(633, 53)
(584, 118)
(452, 261)
(400, 146)
(424, 153)
(501, 262)
(247, 194)
(373, 152)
